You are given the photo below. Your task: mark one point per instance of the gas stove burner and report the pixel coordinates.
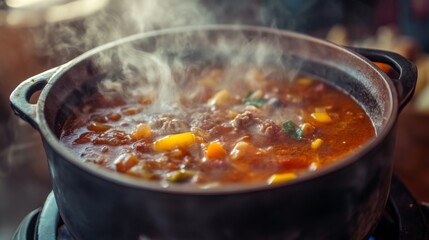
(403, 219)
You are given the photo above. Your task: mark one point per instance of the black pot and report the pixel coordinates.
(342, 201)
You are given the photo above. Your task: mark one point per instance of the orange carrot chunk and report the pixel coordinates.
(215, 150)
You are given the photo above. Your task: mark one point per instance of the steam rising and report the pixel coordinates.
(159, 68)
(119, 19)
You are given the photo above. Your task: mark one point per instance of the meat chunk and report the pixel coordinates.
(169, 125)
(221, 129)
(269, 128)
(245, 120)
(208, 120)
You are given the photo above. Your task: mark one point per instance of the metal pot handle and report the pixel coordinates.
(20, 97)
(406, 82)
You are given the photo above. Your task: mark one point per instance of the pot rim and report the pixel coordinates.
(124, 180)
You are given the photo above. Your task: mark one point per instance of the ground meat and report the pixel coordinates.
(254, 111)
(269, 128)
(221, 129)
(208, 120)
(245, 120)
(169, 125)
(143, 147)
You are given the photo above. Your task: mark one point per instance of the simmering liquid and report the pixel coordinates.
(255, 129)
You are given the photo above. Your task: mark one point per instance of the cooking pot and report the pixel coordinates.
(344, 200)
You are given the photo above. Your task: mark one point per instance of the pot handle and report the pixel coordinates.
(406, 82)
(20, 97)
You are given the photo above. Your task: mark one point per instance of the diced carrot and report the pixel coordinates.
(145, 100)
(383, 66)
(307, 129)
(114, 116)
(125, 161)
(170, 142)
(215, 150)
(142, 130)
(177, 153)
(130, 111)
(281, 177)
(85, 137)
(99, 119)
(98, 127)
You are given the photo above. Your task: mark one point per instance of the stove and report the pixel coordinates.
(403, 219)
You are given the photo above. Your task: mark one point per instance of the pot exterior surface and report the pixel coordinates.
(345, 204)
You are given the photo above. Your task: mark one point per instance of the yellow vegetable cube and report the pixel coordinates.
(305, 81)
(232, 114)
(221, 98)
(306, 128)
(316, 143)
(239, 150)
(281, 177)
(170, 142)
(321, 117)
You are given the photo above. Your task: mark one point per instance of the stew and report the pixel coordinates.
(260, 128)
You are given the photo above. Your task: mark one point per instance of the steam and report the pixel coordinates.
(152, 70)
(145, 74)
(121, 18)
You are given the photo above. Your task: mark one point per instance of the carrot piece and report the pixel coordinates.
(98, 127)
(141, 131)
(281, 177)
(114, 117)
(383, 66)
(215, 150)
(125, 161)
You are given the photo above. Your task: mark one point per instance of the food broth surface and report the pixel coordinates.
(259, 128)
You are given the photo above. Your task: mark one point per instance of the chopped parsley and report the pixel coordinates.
(254, 102)
(292, 130)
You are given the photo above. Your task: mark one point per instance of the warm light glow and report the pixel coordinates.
(29, 3)
(74, 10)
(36, 12)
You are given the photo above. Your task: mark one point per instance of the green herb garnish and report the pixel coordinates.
(292, 130)
(254, 102)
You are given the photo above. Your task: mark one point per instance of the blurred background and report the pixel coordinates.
(36, 35)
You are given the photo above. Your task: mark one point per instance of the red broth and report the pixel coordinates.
(258, 130)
